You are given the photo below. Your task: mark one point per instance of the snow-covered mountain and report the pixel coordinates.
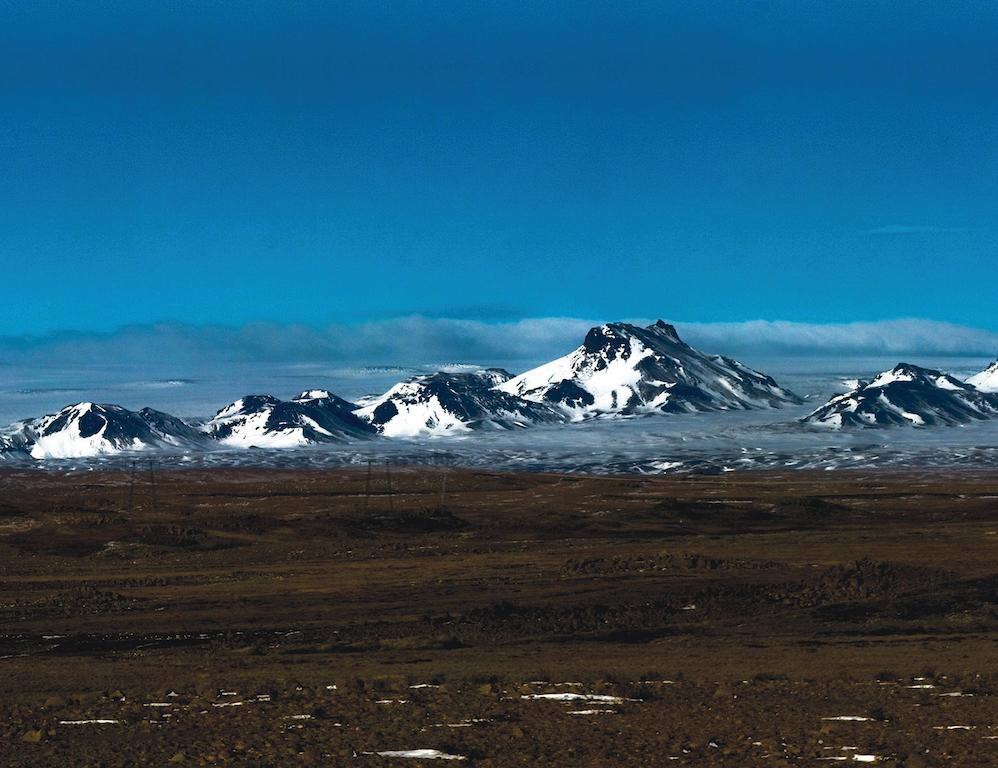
(91, 429)
(626, 369)
(446, 403)
(986, 380)
(910, 395)
(263, 421)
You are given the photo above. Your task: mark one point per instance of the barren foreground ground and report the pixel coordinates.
(283, 618)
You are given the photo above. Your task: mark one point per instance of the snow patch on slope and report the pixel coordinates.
(986, 380)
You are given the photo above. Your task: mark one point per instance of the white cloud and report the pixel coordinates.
(418, 339)
(885, 337)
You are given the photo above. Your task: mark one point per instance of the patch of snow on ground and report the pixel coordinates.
(849, 718)
(90, 722)
(573, 697)
(418, 754)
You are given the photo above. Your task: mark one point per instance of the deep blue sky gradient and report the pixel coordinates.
(341, 162)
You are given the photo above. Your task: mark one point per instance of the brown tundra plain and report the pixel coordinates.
(427, 616)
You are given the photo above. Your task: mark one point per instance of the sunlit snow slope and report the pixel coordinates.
(263, 421)
(986, 380)
(448, 403)
(89, 429)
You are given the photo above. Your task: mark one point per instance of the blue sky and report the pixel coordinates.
(222, 163)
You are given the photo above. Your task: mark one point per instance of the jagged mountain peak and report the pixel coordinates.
(622, 368)
(613, 338)
(667, 328)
